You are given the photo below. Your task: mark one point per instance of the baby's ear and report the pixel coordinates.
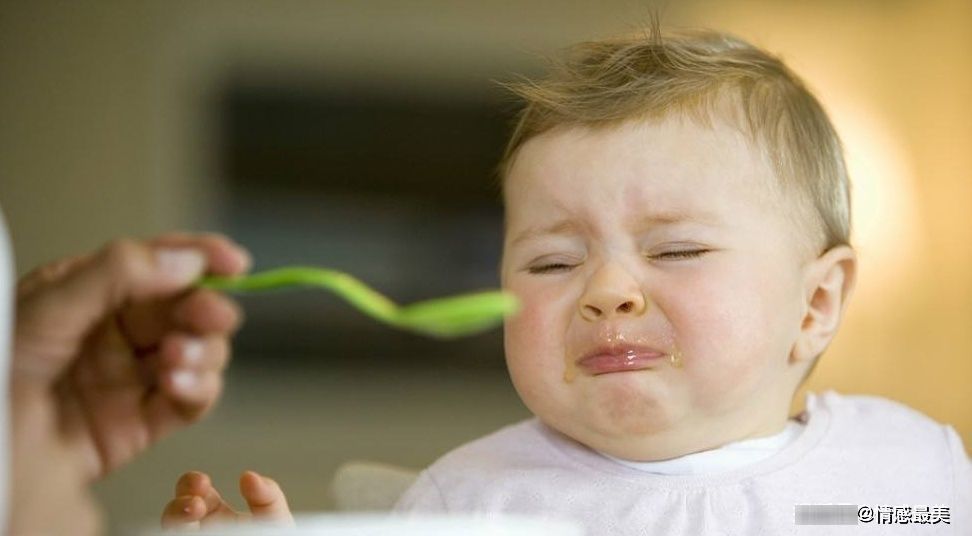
(828, 283)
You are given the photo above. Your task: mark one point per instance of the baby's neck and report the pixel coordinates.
(728, 457)
(697, 436)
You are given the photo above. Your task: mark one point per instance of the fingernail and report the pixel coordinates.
(192, 351)
(247, 259)
(184, 380)
(182, 265)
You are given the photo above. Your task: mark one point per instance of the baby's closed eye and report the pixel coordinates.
(679, 254)
(552, 267)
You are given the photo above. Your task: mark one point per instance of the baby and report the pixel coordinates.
(677, 229)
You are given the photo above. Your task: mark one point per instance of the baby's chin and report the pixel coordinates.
(629, 441)
(639, 440)
(626, 422)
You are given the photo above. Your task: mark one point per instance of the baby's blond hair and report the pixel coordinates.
(703, 74)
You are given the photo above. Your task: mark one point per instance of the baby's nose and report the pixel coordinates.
(610, 297)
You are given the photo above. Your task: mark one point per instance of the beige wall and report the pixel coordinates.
(104, 105)
(75, 142)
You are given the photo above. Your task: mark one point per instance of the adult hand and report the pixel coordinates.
(111, 352)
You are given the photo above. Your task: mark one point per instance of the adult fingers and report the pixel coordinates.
(183, 396)
(224, 256)
(180, 351)
(207, 311)
(200, 311)
(193, 391)
(49, 273)
(55, 317)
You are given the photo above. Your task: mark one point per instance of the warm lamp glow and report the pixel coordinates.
(885, 222)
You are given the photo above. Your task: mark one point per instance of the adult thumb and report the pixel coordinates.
(55, 315)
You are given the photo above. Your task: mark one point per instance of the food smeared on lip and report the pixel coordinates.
(676, 358)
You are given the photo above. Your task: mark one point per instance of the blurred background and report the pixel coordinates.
(363, 135)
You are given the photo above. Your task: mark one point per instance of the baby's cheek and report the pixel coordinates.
(721, 352)
(532, 341)
(536, 320)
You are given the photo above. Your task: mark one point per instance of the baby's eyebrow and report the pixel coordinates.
(560, 227)
(657, 219)
(648, 221)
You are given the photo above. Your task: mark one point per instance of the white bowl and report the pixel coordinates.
(383, 524)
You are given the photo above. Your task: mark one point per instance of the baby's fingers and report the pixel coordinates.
(183, 512)
(197, 484)
(265, 499)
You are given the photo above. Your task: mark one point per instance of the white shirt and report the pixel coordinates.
(854, 450)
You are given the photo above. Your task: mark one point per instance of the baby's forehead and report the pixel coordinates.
(676, 164)
(668, 147)
(654, 180)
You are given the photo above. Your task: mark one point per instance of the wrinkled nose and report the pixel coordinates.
(611, 292)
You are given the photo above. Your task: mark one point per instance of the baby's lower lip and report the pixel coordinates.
(608, 363)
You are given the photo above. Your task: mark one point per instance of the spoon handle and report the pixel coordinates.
(452, 316)
(344, 285)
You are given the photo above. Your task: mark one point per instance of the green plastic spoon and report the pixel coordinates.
(453, 316)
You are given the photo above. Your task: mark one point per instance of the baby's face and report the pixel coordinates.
(630, 244)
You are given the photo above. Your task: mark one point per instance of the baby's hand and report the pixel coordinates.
(197, 503)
